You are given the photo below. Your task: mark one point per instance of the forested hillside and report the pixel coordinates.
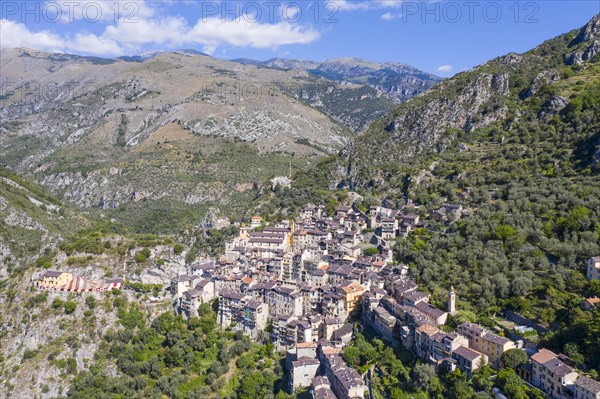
(516, 142)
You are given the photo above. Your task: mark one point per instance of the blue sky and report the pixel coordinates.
(442, 37)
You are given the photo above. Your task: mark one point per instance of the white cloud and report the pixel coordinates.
(389, 3)
(92, 44)
(121, 36)
(165, 31)
(168, 32)
(16, 34)
(346, 5)
(388, 16)
(214, 32)
(445, 68)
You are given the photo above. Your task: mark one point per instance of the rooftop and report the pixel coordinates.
(467, 353)
(588, 384)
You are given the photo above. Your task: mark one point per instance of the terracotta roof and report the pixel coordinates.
(593, 301)
(543, 356)
(303, 345)
(428, 329)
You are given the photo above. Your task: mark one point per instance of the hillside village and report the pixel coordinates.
(303, 284)
(307, 286)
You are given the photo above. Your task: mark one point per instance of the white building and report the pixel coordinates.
(593, 268)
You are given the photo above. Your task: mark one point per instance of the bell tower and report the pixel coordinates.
(452, 301)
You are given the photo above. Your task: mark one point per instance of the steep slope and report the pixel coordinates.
(504, 92)
(32, 223)
(178, 131)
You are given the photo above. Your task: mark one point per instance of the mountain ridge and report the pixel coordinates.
(396, 81)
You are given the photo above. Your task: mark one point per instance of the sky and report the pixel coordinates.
(442, 37)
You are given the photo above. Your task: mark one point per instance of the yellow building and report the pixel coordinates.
(53, 279)
(486, 342)
(353, 292)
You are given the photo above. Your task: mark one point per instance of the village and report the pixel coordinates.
(304, 285)
(300, 283)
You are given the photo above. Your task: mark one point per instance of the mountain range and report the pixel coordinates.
(174, 130)
(398, 82)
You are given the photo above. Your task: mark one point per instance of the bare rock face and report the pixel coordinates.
(554, 106)
(494, 92)
(426, 123)
(589, 41)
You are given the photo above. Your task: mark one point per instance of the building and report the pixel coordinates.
(302, 372)
(552, 376)
(255, 221)
(586, 388)
(445, 344)
(285, 332)
(346, 382)
(468, 360)
(352, 291)
(182, 283)
(589, 303)
(69, 282)
(285, 300)
(383, 322)
(204, 292)
(486, 342)
(593, 268)
(424, 341)
(231, 305)
(435, 314)
(321, 389)
(54, 279)
(255, 318)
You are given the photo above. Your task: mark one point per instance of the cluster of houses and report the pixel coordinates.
(65, 281)
(297, 283)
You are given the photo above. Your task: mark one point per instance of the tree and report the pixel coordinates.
(423, 374)
(594, 288)
(482, 378)
(370, 251)
(548, 315)
(512, 385)
(457, 386)
(513, 358)
(351, 355)
(573, 351)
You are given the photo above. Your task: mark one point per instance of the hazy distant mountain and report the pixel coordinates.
(398, 82)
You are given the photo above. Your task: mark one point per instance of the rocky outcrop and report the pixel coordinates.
(588, 41)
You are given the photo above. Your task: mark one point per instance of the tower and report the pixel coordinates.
(452, 301)
(243, 231)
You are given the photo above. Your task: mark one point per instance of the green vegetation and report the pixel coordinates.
(398, 375)
(175, 359)
(70, 307)
(144, 288)
(211, 243)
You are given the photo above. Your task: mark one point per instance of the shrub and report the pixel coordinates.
(70, 307)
